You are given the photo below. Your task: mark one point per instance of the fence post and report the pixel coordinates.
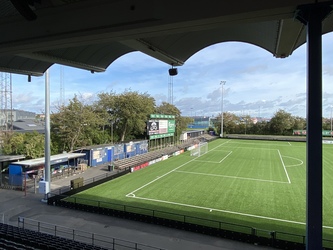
(55, 230)
(93, 239)
(21, 220)
(273, 237)
(253, 234)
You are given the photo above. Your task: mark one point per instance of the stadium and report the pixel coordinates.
(252, 188)
(268, 193)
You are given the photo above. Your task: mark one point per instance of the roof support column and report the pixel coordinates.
(312, 15)
(47, 149)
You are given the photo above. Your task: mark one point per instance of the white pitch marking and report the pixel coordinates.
(132, 193)
(284, 167)
(260, 144)
(233, 177)
(229, 212)
(225, 157)
(295, 165)
(230, 152)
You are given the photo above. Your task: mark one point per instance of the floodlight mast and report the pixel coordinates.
(222, 83)
(331, 119)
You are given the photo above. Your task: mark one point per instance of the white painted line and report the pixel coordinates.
(216, 161)
(233, 177)
(131, 194)
(228, 212)
(225, 157)
(284, 167)
(234, 148)
(261, 144)
(208, 161)
(295, 165)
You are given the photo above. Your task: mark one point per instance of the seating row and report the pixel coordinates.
(152, 155)
(29, 239)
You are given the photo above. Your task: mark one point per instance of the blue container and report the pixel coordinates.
(118, 152)
(141, 147)
(98, 156)
(129, 149)
(15, 175)
(110, 153)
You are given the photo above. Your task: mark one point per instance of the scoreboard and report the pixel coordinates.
(161, 126)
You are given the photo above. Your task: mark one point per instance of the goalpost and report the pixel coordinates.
(201, 149)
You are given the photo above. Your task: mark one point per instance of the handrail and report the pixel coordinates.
(80, 235)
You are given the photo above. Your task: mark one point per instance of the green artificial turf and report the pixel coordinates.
(256, 184)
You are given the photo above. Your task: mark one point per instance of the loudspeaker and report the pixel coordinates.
(173, 72)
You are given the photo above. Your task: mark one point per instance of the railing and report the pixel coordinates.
(191, 223)
(81, 236)
(96, 179)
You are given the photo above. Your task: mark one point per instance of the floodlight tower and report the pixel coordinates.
(222, 83)
(172, 72)
(331, 106)
(62, 88)
(6, 115)
(170, 89)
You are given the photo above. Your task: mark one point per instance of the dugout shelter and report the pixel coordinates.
(20, 171)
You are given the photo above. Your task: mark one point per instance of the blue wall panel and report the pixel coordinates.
(15, 175)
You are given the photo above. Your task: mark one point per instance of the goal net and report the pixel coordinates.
(201, 149)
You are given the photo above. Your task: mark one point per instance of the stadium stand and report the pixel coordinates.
(12, 237)
(152, 155)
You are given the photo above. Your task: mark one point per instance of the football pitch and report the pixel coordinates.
(259, 184)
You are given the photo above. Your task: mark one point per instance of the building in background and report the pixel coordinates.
(201, 122)
(21, 121)
(29, 125)
(7, 115)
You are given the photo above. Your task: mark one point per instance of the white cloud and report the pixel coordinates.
(252, 75)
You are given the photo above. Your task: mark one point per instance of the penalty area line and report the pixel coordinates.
(233, 177)
(284, 167)
(132, 193)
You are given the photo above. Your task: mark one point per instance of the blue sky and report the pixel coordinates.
(256, 82)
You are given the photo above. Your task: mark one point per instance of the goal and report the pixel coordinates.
(201, 149)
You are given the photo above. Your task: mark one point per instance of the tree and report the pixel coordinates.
(230, 123)
(282, 123)
(129, 112)
(181, 121)
(170, 109)
(299, 123)
(76, 125)
(260, 128)
(29, 144)
(13, 144)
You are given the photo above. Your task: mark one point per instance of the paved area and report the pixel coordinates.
(15, 203)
